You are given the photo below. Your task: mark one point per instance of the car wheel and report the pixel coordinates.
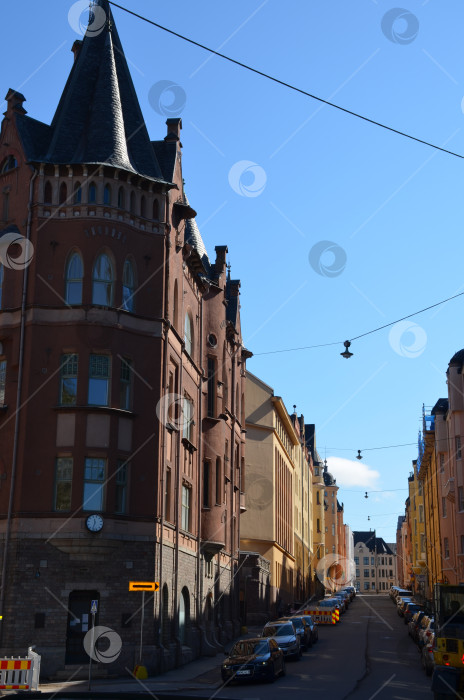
(428, 670)
(283, 671)
(272, 675)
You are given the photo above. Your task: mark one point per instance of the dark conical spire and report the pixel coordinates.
(98, 118)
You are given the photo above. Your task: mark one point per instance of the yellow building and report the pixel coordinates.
(417, 534)
(272, 472)
(302, 499)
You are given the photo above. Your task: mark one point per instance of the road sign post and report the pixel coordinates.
(93, 612)
(142, 586)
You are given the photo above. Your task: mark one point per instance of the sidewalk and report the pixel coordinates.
(203, 674)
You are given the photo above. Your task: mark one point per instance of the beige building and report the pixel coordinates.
(273, 472)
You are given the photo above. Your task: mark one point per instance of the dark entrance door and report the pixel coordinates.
(79, 623)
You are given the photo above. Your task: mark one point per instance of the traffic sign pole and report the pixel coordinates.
(141, 627)
(93, 611)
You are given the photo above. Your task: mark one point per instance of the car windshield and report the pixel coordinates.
(247, 648)
(278, 630)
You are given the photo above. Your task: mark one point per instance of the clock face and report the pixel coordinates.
(94, 522)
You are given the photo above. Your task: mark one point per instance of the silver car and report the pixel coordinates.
(286, 637)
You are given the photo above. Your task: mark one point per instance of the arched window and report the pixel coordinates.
(156, 210)
(175, 311)
(9, 163)
(121, 198)
(132, 203)
(63, 193)
(188, 333)
(1, 284)
(92, 193)
(143, 207)
(102, 281)
(128, 285)
(73, 277)
(77, 193)
(184, 615)
(48, 193)
(107, 195)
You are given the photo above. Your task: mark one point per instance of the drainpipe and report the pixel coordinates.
(199, 484)
(14, 461)
(163, 428)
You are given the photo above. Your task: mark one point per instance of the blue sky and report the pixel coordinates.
(391, 209)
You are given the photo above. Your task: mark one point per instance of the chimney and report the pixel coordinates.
(174, 126)
(76, 48)
(15, 101)
(221, 252)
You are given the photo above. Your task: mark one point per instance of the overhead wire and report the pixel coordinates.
(285, 84)
(362, 335)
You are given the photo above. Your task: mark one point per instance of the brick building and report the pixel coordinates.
(121, 382)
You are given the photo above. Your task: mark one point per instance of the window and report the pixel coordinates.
(391, 573)
(333, 549)
(1, 284)
(125, 384)
(366, 573)
(121, 487)
(462, 544)
(63, 483)
(366, 561)
(333, 530)
(356, 560)
(132, 203)
(9, 163)
(121, 198)
(316, 471)
(206, 484)
(94, 477)
(73, 276)
(421, 513)
(186, 495)
(333, 507)
(422, 543)
(443, 506)
(390, 560)
(103, 280)
(461, 497)
(372, 561)
(48, 193)
(188, 419)
(107, 195)
(218, 481)
(373, 573)
(63, 194)
(143, 207)
(318, 525)
(458, 447)
(99, 379)
(68, 379)
(155, 210)
(357, 573)
(188, 334)
(373, 586)
(77, 193)
(415, 526)
(211, 386)
(92, 193)
(2, 381)
(167, 503)
(366, 585)
(446, 547)
(128, 286)
(442, 462)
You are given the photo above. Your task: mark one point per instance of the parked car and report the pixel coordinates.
(330, 603)
(345, 595)
(302, 629)
(342, 601)
(401, 604)
(393, 590)
(426, 630)
(351, 590)
(414, 625)
(409, 610)
(427, 659)
(400, 592)
(254, 659)
(286, 637)
(313, 627)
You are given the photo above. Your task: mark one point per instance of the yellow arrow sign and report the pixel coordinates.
(144, 585)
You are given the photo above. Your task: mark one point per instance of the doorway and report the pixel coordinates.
(79, 623)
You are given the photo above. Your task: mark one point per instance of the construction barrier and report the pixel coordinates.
(20, 674)
(324, 617)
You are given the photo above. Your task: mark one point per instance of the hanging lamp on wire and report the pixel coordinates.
(347, 354)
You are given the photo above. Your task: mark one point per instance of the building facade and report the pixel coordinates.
(122, 382)
(375, 563)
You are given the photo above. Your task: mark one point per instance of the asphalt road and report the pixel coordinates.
(368, 655)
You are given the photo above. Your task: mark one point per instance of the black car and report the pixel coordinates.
(313, 627)
(302, 629)
(254, 659)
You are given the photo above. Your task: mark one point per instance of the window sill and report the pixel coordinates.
(90, 407)
(188, 445)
